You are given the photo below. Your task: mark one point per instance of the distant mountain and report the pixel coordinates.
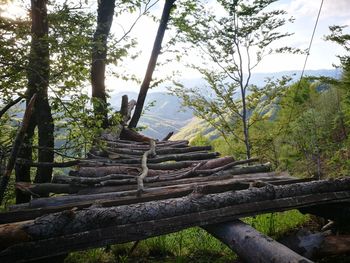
(167, 114)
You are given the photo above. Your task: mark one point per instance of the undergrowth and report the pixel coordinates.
(189, 245)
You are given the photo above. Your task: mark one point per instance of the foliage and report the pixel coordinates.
(200, 140)
(236, 41)
(14, 43)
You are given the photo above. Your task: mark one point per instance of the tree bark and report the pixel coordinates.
(105, 14)
(38, 81)
(157, 46)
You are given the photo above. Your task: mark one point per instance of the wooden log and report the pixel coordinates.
(63, 179)
(25, 212)
(167, 137)
(98, 237)
(46, 164)
(244, 170)
(123, 191)
(225, 166)
(128, 134)
(172, 165)
(104, 171)
(100, 172)
(252, 246)
(167, 150)
(16, 147)
(184, 157)
(272, 178)
(83, 220)
(154, 166)
(47, 188)
(143, 146)
(259, 177)
(120, 142)
(210, 187)
(51, 188)
(164, 158)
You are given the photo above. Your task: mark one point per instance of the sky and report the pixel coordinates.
(322, 53)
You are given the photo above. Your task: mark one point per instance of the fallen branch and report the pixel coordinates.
(150, 152)
(45, 164)
(167, 137)
(63, 179)
(210, 170)
(128, 134)
(107, 170)
(143, 146)
(117, 191)
(271, 177)
(160, 151)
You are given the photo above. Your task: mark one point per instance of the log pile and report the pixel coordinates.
(131, 190)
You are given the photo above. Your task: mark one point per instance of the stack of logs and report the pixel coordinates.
(128, 191)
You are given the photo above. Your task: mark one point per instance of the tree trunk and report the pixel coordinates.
(16, 147)
(46, 140)
(245, 124)
(252, 246)
(105, 14)
(38, 80)
(157, 46)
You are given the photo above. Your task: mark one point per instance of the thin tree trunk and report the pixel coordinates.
(105, 14)
(157, 46)
(9, 105)
(245, 125)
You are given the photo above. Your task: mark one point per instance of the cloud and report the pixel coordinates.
(338, 8)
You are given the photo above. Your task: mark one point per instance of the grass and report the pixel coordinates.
(189, 245)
